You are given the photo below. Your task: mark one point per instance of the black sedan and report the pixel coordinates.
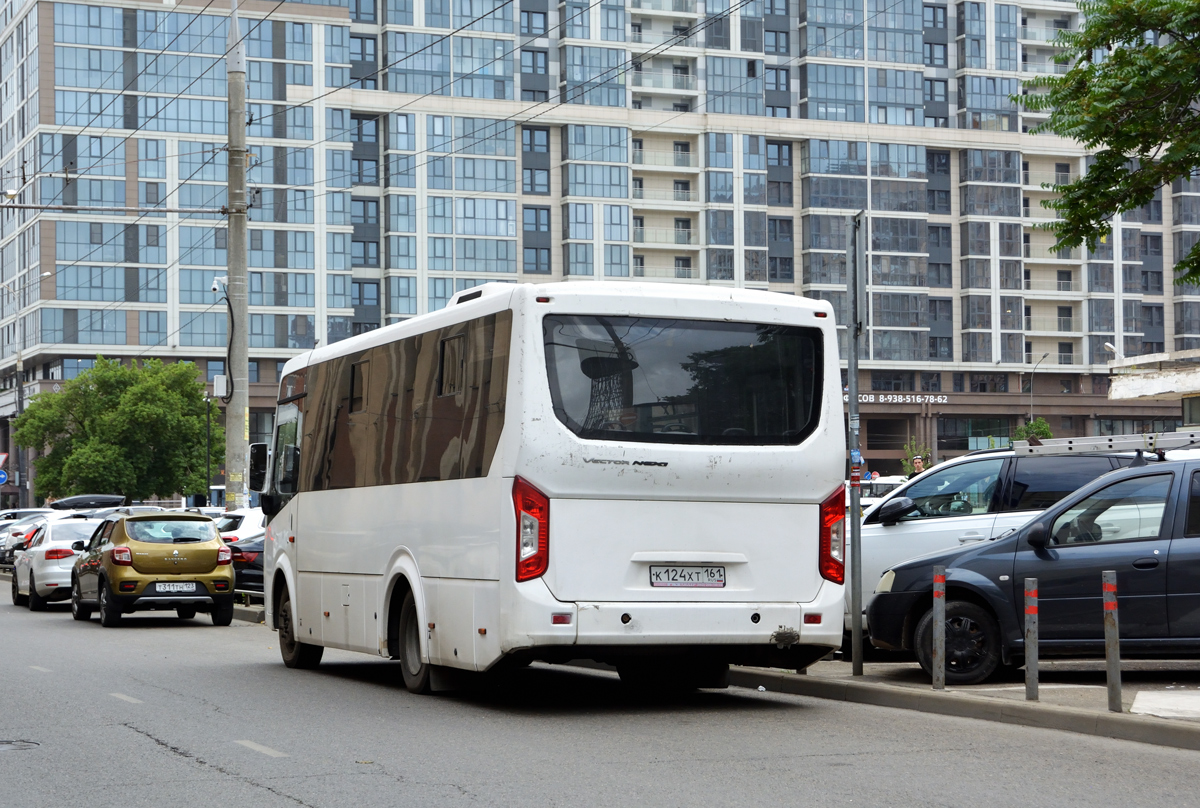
(1143, 522)
(248, 564)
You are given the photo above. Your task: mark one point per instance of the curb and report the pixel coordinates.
(1121, 726)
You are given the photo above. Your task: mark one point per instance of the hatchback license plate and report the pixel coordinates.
(702, 577)
(189, 587)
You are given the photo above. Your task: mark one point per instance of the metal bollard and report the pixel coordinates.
(1031, 640)
(939, 628)
(1112, 640)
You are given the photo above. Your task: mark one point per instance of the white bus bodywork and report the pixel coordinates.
(616, 508)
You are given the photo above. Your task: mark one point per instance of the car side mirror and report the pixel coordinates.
(258, 466)
(891, 511)
(18, 546)
(1037, 536)
(77, 546)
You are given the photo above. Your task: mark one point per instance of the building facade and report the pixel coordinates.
(403, 150)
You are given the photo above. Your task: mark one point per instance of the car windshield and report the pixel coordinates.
(167, 531)
(660, 380)
(72, 530)
(228, 523)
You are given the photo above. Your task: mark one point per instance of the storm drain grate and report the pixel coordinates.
(13, 746)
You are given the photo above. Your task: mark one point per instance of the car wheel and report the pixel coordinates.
(972, 643)
(222, 613)
(37, 603)
(78, 610)
(295, 654)
(186, 614)
(415, 672)
(110, 612)
(17, 598)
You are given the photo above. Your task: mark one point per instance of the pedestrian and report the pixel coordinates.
(918, 464)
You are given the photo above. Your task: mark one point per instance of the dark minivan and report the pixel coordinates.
(1143, 522)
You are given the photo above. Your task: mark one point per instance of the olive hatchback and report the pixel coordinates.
(153, 561)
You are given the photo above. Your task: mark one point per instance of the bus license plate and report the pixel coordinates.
(191, 587)
(702, 577)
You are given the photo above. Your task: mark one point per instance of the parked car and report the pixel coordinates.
(42, 565)
(11, 517)
(241, 524)
(966, 500)
(153, 561)
(248, 564)
(22, 530)
(1143, 522)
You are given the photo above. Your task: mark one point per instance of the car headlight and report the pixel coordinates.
(885, 583)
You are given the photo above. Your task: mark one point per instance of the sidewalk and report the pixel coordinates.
(1072, 696)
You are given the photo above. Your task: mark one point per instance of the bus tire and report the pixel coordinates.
(415, 672)
(295, 654)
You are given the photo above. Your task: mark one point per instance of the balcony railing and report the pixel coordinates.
(676, 6)
(665, 195)
(1032, 285)
(1063, 358)
(1038, 252)
(665, 271)
(1045, 68)
(661, 79)
(1038, 212)
(662, 38)
(664, 235)
(662, 157)
(1040, 34)
(1038, 178)
(1060, 325)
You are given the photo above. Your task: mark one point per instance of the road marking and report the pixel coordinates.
(43, 670)
(1166, 705)
(123, 697)
(257, 747)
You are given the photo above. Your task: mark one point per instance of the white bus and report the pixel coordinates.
(647, 475)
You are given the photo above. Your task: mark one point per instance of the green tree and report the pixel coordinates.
(1130, 96)
(124, 429)
(913, 449)
(1037, 428)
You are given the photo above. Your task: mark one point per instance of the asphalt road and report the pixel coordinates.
(168, 713)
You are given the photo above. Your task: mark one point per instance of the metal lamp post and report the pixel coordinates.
(1032, 373)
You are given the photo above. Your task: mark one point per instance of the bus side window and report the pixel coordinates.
(360, 375)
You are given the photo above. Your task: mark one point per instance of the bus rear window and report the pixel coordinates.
(660, 380)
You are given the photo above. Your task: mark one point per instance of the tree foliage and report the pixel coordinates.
(124, 429)
(1131, 97)
(1037, 428)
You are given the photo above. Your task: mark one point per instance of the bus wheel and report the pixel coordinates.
(416, 672)
(295, 654)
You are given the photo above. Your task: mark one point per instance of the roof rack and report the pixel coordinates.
(1149, 442)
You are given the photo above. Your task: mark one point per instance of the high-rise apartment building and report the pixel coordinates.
(403, 150)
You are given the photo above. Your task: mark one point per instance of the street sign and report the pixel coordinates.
(3, 459)
(3, 476)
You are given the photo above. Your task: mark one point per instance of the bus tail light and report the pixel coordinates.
(832, 554)
(533, 530)
(122, 557)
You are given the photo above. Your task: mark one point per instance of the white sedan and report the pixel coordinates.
(242, 524)
(42, 566)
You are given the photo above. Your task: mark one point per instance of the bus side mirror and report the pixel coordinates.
(269, 504)
(258, 467)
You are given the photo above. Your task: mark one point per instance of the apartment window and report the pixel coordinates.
(364, 211)
(364, 129)
(364, 172)
(779, 193)
(776, 8)
(893, 381)
(935, 90)
(779, 154)
(779, 229)
(776, 42)
(535, 140)
(941, 349)
(935, 16)
(938, 201)
(535, 181)
(364, 253)
(777, 79)
(533, 61)
(534, 95)
(536, 220)
(533, 23)
(931, 382)
(935, 54)
(362, 49)
(536, 260)
(989, 382)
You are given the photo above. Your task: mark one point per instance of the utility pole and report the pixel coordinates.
(23, 484)
(208, 450)
(237, 413)
(856, 237)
